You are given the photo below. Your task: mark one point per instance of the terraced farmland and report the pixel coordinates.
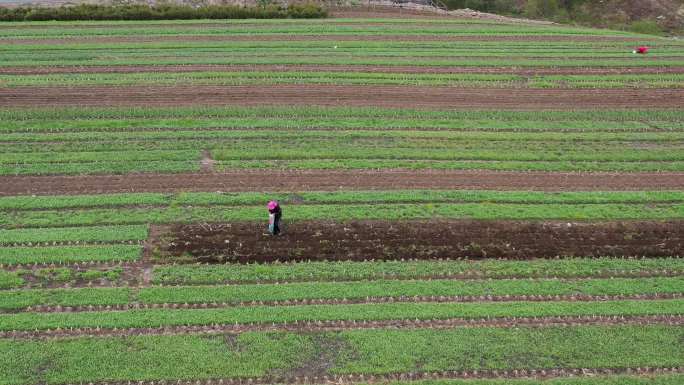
(466, 202)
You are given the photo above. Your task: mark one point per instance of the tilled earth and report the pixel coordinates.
(381, 240)
(361, 96)
(331, 180)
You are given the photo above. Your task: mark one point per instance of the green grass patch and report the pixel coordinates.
(188, 357)
(356, 351)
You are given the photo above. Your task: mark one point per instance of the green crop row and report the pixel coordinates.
(359, 312)
(365, 139)
(370, 113)
(348, 271)
(331, 28)
(332, 143)
(252, 354)
(400, 43)
(335, 151)
(74, 234)
(99, 156)
(217, 59)
(345, 78)
(69, 254)
(54, 202)
(112, 167)
(234, 294)
(352, 164)
(226, 129)
(50, 276)
(480, 211)
(673, 379)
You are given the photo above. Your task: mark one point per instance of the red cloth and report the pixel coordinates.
(642, 50)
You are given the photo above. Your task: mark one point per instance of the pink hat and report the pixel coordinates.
(272, 205)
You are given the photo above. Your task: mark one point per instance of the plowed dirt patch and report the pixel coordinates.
(362, 96)
(331, 180)
(360, 240)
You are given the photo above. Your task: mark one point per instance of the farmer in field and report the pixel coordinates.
(274, 215)
(642, 50)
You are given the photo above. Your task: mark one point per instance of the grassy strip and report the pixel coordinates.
(482, 211)
(358, 312)
(384, 351)
(74, 234)
(381, 351)
(69, 254)
(150, 357)
(347, 197)
(12, 300)
(327, 271)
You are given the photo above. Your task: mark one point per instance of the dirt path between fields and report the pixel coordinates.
(523, 71)
(332, 180)
(361, 96)
(332, 38)
(357, 301)
(327, 326)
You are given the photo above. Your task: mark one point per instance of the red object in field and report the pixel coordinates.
(642, 50)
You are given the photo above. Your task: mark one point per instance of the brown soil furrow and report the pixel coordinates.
(312, 37)
(332, 180)
(356, 240)
(361, 96)
(322, 326)
(324, 378)
(370, 300)
(524, 71)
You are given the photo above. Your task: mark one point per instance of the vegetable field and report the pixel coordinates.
(465, 201)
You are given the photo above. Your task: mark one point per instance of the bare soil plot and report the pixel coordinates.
(264, 180)
(362, 96)
(382, 240)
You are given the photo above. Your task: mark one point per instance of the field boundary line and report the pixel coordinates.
(342, 301)
(539, 373)
(322, 326)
